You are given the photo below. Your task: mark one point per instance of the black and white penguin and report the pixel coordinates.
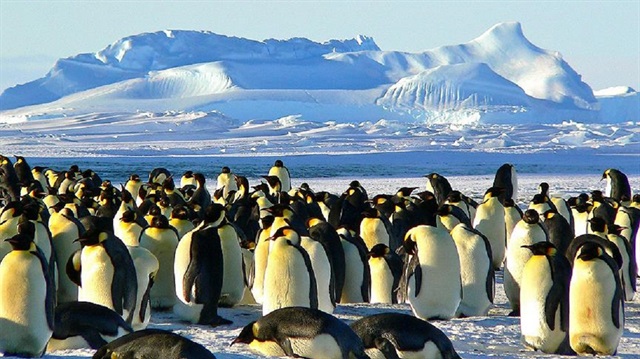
(27, 298)
(302, 333)
(476, 271)
(602, 208)
(282, 172)
(201, 198)
(507, 178)
(456, 198)
(187, 180)
(544, 300)
(560, 231)
(438, 267)
(227, 181)
(439, 186)
(596, 305)
(153, 343)
(580, 211)
(398, 335)
(158, 175)
(147, 267)
(449, 216)
(10, 216)
(618, 186)
(65, 229)
(628, 269)
(349, 207)
(512, 215)
(289, 279)
(528, 231)
(104, 270)
(324, 278)
(386, 270)
(85, 325)
(357, 279)
(376, 228)
(233, 282)
(179, 220)
(162, 240)
(9, 183)
(324, 233)
(23, 171)
(128, 228)
(198, 269)
(490, 221)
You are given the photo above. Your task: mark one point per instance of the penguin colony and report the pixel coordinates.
(85, 264)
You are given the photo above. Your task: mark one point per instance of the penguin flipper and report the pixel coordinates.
(93, 338)
(313, 287)
(146, 298)
(50, 299)
(386, 347)
(417, 273)
(73, 268)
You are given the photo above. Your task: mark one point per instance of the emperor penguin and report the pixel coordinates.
(198, 269)
(528, 231)
(512, 215)
(104, 270)
(260, 258)
(158, 175)
(507, 178)
(289, 279)
(376, 228)
(128, 228)
(38, 175)
(133, 185)
(618, 186)
(153, 343)
(81, 325)
(23, 171)
(580, 211)
(439, 186)
(357, 275)
(302, 333)
(26, 299)
(438, 267)
(233, 282)
(324, 278)
(9, 218)
(628, 219)
(162, 240)
(544, 300)
(386, 270)
(323, 232)
(147, 267)
(602, 208)
(596, 305)
(456, 198)
(179, 220)
(490, 221)
(282, 172)
(65, 229)
(398, 335)
(9, 183)
(227, 181)
(628, 269)
(449, 216)
(201, 198)
(349, 207)
(476, 271)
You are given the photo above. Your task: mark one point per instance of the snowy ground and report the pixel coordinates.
(496, 335)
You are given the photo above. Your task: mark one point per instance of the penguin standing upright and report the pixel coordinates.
(282, 173)
(147, 267)
(489, 220)
(528, 231)
(201, 197)
(560, 231)
(398, 335)
(386, 270)
(233, 282)
(162, 240)
(438, 267)
(512, 215)
(325, 280)
(580, 210)
(226, 181)
(104, 270)
(357, 277)
(23, 171)
(476, 271)
(507, 178)
(302, 333)
(618, 186)
(180, 220)
(26, 298)
(439, 186)
(324, 233)
(65, 229)
(128, 228)
(596, 306)
(376, 228)
(544, 300)
(628, 269)
(198, 270)
(289, 278)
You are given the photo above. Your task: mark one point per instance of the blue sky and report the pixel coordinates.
(599, 39)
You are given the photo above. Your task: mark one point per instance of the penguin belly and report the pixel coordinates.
(188, 311)
(381, 281)
(591, 328)
(523, 234)
(260, 258)
(536, 284)
(321, 346)
(96, 277)
(354, 274)
(63, 234)
(233, 282)
(373, 231)
(489, 220)
(25, 330)
(287, 282)
(162, 243)
(147, 266)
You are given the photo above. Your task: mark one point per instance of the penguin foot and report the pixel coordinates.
(218, 320)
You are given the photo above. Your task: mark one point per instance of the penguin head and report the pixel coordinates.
(27, 228)
(278, 163)
(200, 179)
(168, 184)
(154, 210)
(616, 229)
(493, 192)
(247, 335)
(445, 210)
(531, 216)
(159, 221)
(542, 248)
(12, 209)
(509, 202)
(597, 196)
(214, 213)
(454, 197)
(379, 250)
(313, 221)
(287, 232)
(544, 189)
(241, 181)
(370, 212)
(598, 224)
(19, 159)
(549, 214)
(20, 242)
(589, 251)
(405, 191)
(180, 212)
(31, 211)
(280, 210)
(273, 182)
(225, 169)
(74, 169)
(128, 216)
(134, 177)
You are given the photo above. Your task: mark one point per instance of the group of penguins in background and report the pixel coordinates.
(83, 263)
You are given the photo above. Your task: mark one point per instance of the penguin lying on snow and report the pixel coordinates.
(153, 343)
(302, 332)
(396, 335)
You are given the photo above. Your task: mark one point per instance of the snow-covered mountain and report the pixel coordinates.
(498, 77)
